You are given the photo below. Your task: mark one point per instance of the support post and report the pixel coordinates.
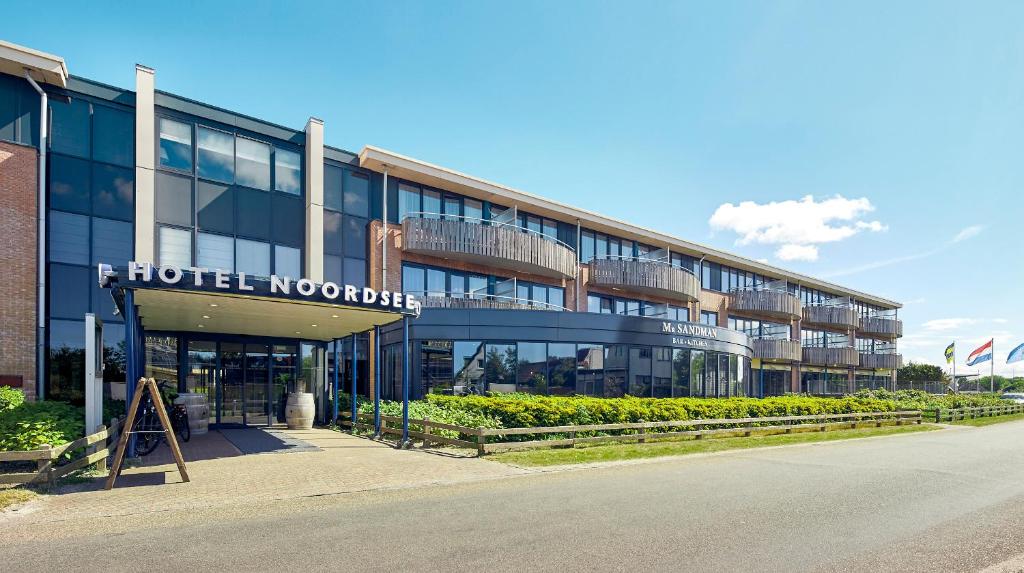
(405, 382)
(355, 376)
(376, 382)
(131, 372)
(334, 385)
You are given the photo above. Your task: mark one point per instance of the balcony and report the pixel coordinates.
(838, 357)
(765, 303)
(495, 245)
(646, 276)
(777, 349)
(881, 327)
(890, 361)
(461, 301)
(842, 318)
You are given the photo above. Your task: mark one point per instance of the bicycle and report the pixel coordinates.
(147, 428)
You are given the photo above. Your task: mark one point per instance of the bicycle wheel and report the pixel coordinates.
(147, 439)
(186, 432)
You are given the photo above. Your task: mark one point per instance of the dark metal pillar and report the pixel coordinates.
(376, 381)
(355, 376)
(130, 361)
(335, 386)
(405, 382)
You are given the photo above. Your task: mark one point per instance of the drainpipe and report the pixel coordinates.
(579, 263)
(700, 281)
(384, 243)
(41, 240)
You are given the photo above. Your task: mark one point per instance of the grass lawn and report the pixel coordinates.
(676, 447)
(14, 495)
(989, 421)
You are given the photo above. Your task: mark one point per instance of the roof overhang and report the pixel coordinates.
(377, 159)
(15, 59)
(188, 311)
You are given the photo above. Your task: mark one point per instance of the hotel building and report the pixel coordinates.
(517, 292)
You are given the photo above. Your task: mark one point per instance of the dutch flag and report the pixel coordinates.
(982, 354)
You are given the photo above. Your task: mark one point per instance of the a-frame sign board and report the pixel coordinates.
(145, 385)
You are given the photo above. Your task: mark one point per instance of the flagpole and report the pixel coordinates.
(956, 387)
(992, 370)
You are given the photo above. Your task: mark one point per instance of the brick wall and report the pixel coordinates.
(18, 168)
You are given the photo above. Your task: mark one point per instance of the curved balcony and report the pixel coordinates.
(840, 357)
(646, 276)
(495, 245)
(777, 350)
(841, 318)
(460, 300)
(776, 304)
(881, 327)
(883, 361)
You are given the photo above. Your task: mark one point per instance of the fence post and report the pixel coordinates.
(642, 439)
(101, 464)
(426, 431)
(938, 415)
(45, 464)
(481, 441)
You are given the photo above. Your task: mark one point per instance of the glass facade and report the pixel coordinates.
(227, 200)
(602, 304)
(91, 186)
(346, 212)
(439, 282)
(461, 367)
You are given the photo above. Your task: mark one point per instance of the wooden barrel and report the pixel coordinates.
(198, 411)
(298, 412)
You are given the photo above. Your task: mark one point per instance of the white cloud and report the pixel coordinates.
(797, 253)
(947, 323)
(968, 232)
(964, 234)
(796, 225)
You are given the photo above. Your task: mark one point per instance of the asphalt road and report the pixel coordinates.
(949, 500)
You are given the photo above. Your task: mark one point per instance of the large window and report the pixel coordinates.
(175, 144)
(346, 207)
(602, 304)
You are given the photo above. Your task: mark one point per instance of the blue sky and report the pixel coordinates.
(656, 113)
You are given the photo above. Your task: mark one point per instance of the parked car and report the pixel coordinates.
(1014, 397)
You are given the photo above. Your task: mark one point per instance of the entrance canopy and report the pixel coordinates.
(188, 311)
(169, 298)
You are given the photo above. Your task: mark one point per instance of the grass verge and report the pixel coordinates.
(677, 447)
(989, 421)
(14, 495)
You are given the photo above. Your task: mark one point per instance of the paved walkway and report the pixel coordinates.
(222, 476)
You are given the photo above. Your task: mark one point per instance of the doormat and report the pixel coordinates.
(265, 441)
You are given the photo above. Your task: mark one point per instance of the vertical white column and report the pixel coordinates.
(315, 200)
(145, 162)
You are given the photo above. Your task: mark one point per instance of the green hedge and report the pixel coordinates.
(10, 398)
(920, 400)
(32, 424)
(526, 410)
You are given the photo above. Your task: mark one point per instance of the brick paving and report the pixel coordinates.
(221, 476)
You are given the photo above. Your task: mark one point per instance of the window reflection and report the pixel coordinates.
(216, 155)
(175, 144)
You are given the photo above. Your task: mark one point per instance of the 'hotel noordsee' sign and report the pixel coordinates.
(199, 278)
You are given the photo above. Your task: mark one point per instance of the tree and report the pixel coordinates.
(920, 373)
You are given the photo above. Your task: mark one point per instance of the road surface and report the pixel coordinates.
(950, 500)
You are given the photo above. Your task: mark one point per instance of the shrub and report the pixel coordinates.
(10, 398)
(526, 410)
(920, 400)
(419, 410)
(33, 424)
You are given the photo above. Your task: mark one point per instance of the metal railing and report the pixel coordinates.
(484, 222)
(451, 299)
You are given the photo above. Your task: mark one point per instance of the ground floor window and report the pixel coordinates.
(462, 367)
(825, 383)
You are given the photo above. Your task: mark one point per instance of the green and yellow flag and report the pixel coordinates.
(950, 351)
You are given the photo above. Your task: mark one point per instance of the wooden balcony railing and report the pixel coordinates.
(843, 357)
(886, 361)
(645, 276)
(780, 350)
(881, 327)
(831, 317)
(504, 246)
(777, 304)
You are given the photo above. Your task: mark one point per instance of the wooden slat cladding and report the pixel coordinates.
(781, 350)
(498, 246)
(831, 356)
(652, 277)
(881, 326)
(887, 361)
(770, 303)
(448, 302)
(831, 317)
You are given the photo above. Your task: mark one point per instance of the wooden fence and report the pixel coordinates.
(957, 414)
(97, 447)
(478, 438)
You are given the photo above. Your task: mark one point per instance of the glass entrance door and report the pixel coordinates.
(256, 386)
(232, 380)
